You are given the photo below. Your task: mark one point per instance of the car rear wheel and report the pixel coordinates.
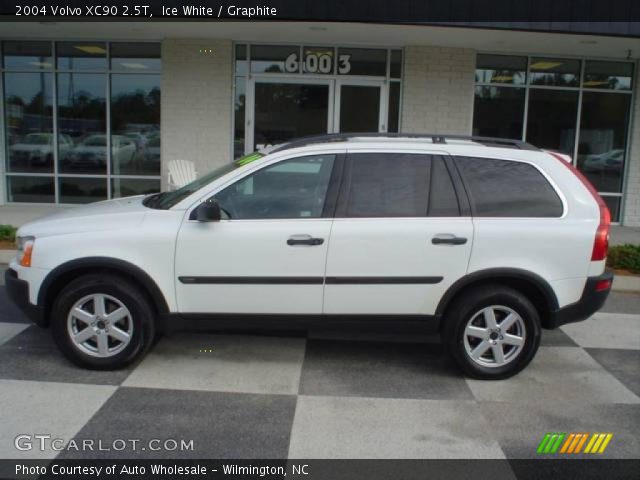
(102, 322)
(492, 332)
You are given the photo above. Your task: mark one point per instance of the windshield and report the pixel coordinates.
(166, 200)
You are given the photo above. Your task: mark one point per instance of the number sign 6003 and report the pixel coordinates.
(317, 63)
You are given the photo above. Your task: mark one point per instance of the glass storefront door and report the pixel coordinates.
(284, 108)
(359, 107)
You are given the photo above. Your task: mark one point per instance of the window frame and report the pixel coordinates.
(56, 174)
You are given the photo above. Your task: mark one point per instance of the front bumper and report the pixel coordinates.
(18, 291)
(591, 301)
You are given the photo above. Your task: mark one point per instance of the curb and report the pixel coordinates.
(7, 255)
(621, 283)
(626, 283)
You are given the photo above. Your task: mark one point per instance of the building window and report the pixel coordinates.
(498, 111)
(503, 69)
(82, 120)
(603, 132)
(551, 119)
(579, 107)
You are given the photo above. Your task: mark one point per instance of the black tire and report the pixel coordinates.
(141, 317)
(466, 307)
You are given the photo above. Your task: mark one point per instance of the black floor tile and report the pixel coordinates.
(221, 425)
(376, 369)
(622, 364)
(520, 427)
(8, 311)
(556, 338)
(32, 355)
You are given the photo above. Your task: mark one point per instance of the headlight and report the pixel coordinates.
(25, 250)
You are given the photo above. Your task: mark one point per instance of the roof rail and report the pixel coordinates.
(435, 138)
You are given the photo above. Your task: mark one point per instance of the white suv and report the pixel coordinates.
(484, 240)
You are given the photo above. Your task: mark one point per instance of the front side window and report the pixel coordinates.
(294, 188)
(504, 188)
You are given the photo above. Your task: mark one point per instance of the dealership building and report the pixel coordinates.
(97, 110)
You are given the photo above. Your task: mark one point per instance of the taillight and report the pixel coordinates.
(603, 285)
(601, 242)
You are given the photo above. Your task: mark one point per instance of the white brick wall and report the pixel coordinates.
(438, 90)
(196, 103)
(632, 204)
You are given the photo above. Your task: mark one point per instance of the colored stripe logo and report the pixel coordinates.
(572, 443)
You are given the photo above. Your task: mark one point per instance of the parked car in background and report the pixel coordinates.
(36, 150)
(604, 162)
(91, 152)
(486, 241)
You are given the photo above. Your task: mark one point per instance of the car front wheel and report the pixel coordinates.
(102, 322)
(492, 332)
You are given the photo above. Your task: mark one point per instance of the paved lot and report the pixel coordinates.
(325, 394)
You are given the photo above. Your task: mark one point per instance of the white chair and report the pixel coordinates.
(181, 172)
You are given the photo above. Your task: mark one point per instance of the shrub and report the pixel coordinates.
(8, 233)
(625, 257)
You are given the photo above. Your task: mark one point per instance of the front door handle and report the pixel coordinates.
(448, 239)
(294, 240)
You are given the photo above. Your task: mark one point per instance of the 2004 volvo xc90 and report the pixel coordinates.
(485, 240)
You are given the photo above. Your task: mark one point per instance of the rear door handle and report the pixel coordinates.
(448, 239)
(294, 240)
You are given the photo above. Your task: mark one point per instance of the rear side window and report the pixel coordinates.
(397, 185)
(503, 188)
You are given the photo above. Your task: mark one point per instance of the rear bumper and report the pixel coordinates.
(18, 292)
(593, 297)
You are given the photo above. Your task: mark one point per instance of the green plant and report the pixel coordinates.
(8, 233)
(624, 257)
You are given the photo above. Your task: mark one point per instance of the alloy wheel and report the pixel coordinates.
(100, 325)
(494, 336)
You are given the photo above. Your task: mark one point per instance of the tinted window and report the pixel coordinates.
(139, 57)
(501, 69)
(27, 55)
(498, 112)
(271, 58)
(603, 139)
(502, 188)
(562, 72)
(81, 55)
(29, 121)
(293, 188)
(362, 61)
(551, 121)
(388, 185)
(608, 75)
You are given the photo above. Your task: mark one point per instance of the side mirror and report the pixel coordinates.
(208, 211)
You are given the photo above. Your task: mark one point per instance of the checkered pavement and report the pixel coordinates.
(323, 394)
